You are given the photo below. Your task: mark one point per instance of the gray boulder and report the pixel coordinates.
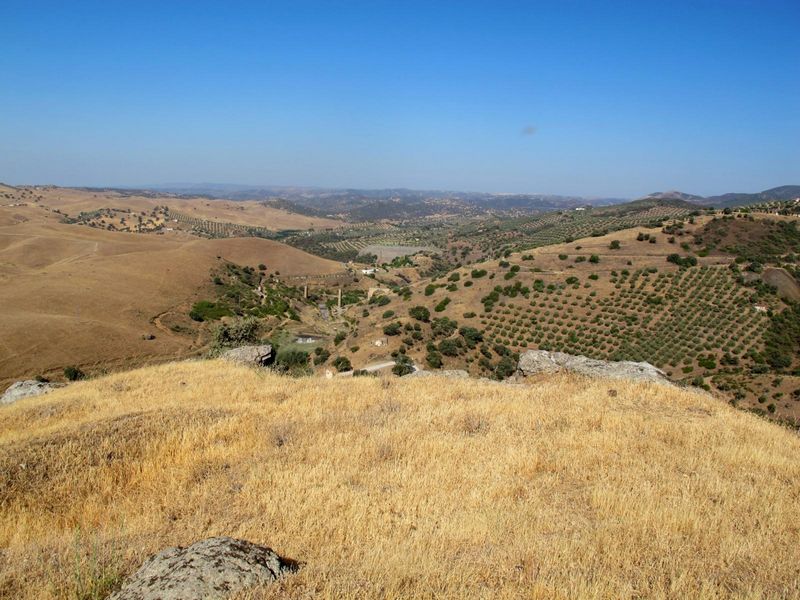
(259, 356)
(534, 362)
(26, 389)
(211, 569)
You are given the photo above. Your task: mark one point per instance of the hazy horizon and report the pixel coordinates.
(570, 98)
(257, 186)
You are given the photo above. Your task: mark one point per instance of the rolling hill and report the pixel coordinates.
(401, 488)
(73, 201)
(85, 296)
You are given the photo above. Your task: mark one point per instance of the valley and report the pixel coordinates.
(133, 278)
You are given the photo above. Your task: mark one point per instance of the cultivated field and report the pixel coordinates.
(569, 488)
(612, 297)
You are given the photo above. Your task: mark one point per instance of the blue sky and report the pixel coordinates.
(590, 98)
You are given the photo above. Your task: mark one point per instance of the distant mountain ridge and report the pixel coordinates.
(784, 192)
(675, 195)
(327, 198)
(389, 203)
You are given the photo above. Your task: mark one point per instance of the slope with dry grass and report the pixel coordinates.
(401, 488)
(73, 201)
(77, 295)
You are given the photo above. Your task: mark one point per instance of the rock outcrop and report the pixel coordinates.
(211, 569)
(27, 389)
(534, 362)
(259, 356)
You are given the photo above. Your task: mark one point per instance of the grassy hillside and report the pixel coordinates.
(401, 488)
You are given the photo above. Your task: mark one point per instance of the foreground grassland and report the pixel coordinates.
(568, 488)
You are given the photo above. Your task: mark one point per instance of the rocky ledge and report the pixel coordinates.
(27, 389)
(534, 362)
(258, 356)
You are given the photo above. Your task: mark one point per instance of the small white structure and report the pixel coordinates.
(380, 342)
(368, 271)
(761, 308)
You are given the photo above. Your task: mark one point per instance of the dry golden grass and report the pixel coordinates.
(402, 488)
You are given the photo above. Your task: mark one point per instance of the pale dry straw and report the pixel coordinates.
(420, 488)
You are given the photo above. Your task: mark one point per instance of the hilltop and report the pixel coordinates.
(387, 488)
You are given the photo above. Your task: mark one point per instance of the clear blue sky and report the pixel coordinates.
(592, 98)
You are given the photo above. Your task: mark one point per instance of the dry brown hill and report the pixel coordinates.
(570, 488)
(73, 201)
(78, 295)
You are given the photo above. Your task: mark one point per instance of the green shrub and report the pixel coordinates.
(442, 305)
(292, 359)
(392, 329)
(450, 347)
(403, 366)
(471, 336)
(342, 363)
(379, 300)
(420, 313)
(73, 373)
(205, 310)
(321, 355)
(434, 360)
(234, 333)
(505, 368)
(443, 327)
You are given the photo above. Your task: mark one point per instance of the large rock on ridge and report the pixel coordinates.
(534, 362)
(259, 356)
(26, 389)
(211, 569)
